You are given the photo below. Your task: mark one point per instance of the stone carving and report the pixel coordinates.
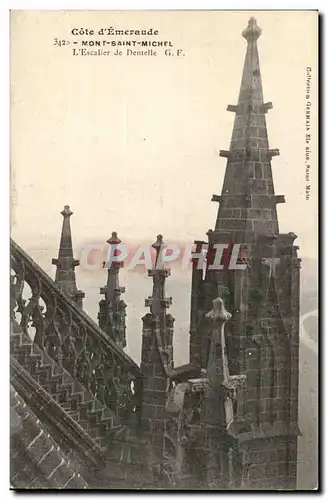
(159, 425)
(70, 337)
(218, 312)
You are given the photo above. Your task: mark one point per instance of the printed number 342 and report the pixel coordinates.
(59, 42)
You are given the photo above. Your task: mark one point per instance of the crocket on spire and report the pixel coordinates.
(65, 273)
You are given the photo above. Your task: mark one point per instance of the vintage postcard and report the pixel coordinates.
(165, 336)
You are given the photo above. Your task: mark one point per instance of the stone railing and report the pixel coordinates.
(71, 338)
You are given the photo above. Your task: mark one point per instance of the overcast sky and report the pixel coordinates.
(131, 143)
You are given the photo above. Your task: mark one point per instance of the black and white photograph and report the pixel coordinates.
(164, 250)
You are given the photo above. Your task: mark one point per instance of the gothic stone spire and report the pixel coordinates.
(248, 202)
(65, 273)
(160, 321)
(157, 348)
(263, 334)
(112, 309)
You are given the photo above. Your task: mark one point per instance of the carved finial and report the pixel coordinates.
(114, 239)
(218, 311)
(253, 31)
(66, 212)
(158, 245)
(159, 242)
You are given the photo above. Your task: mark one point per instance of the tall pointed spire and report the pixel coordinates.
(65, 273)
(252, 366)
(161, 322)
(112, 309)
(157, 344)
(248, 202)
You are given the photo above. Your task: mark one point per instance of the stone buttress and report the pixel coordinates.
(262, 337)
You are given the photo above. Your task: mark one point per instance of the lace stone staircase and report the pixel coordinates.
(89, 413)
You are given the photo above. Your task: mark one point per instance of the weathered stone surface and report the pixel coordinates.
(87, 416)
(65, 263)
(247, 214)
